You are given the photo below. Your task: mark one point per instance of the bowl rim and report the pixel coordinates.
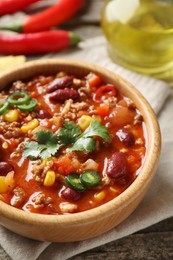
(146, 172)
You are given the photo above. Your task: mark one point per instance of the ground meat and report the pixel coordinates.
(79, 106)
(66, 107)
(39, 169)
(70, 110)
(10, 130)
(129, 103)
(92, 110)
(110, 101)
(18, 86)
(67, 207)
(138, 119)
(19, 197)
(40, 200)
(78, 83)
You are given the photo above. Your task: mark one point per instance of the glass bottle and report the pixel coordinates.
(140, 35)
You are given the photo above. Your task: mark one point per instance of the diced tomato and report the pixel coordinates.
(122, 103)
(121, 116)
(33, 94)
(103, 110)
(93, 80)
(64, 165)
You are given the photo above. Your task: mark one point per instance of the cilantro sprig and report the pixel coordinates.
(86, 141)
(48, 144)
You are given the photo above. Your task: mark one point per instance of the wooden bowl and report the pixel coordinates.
(91, 223)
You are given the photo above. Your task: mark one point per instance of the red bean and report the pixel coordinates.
(42, 114)
(61, 95)
(5, 167)
(70, 194)
(117, 167)
(58, 83)
(126, 137)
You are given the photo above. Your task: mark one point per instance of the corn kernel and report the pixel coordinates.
(113, 189)
(3, 186)
(9, 180)
(4, 145)
(11, 115)
(45, 161)
(30, 126)
(49, 179)
(84, 121)
(100, 195)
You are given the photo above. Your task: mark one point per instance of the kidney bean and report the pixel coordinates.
(70, 194)
(62, 95)
(5, 167)
(126, 137)
(58, 83)
(117, 167)
(42, 114)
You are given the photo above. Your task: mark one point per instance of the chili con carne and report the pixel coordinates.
(66, 155)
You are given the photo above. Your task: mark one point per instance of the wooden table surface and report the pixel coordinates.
(153, 243)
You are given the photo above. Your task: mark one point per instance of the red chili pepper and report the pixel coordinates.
(106, 90)
(12, 6)
(53, 16)
(32, 43)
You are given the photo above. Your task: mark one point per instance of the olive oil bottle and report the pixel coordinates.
(140, 35)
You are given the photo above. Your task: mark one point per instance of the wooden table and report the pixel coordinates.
(155, 242)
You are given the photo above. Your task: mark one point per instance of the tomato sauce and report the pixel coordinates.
(68, 144)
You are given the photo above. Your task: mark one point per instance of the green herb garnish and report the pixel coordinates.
(97, 129)
(46, 146)
(47, 143)
(69, 134)
(84, 144)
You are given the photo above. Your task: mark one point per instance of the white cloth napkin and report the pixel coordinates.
(157, 204)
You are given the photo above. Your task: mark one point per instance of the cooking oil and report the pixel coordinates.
(140, 35)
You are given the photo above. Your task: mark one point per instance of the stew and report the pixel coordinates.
(68, 143)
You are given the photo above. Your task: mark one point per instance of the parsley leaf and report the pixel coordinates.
(97, 129)
(84, 144)
(69, 134)
(46, 146)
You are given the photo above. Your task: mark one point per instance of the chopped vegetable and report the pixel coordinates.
(18, 98)
(73, 181)
(49, 179)
(90, 178)
(84, 121)
(30, 126)
(4, 105)
(29, 106)
(103, 110)
(11, 115)
(93, 80)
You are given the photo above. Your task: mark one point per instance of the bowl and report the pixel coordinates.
(96, 221)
